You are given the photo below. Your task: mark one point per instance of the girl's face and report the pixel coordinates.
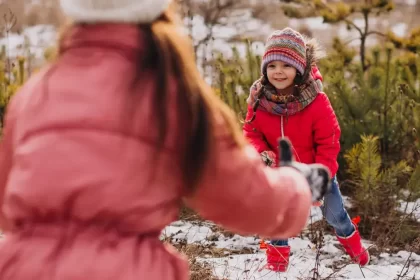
(281, 75)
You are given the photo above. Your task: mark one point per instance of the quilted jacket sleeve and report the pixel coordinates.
(326, 135)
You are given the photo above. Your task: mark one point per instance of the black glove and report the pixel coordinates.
(317, 175)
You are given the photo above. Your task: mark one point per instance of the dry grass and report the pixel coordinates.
(29, 14)
(201, 270)
(188, 215)
(198, 270)
(16, 7)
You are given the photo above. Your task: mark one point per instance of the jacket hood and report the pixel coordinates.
(314, 52)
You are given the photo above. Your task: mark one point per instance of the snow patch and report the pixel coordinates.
(333, 262)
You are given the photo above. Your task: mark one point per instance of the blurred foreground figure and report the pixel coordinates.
(100, 149)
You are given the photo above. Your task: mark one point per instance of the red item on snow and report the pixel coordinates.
(263, 245)
(277, 258)
(353, 245)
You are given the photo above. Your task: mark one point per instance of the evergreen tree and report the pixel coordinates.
(411, 42)
(235, 77)
(383, 101)
(12, 76)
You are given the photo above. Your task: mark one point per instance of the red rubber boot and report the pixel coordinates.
(277, 258)
(353, 245)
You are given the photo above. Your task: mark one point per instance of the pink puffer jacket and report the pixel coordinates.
(77, 202)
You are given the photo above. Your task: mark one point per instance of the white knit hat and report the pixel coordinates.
(130, 11)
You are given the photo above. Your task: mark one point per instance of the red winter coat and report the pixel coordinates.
(314, 132)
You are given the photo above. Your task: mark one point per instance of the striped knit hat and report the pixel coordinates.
(286, 45)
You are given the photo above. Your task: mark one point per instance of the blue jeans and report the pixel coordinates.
(334, 212)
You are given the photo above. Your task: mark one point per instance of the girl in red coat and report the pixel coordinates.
(287, 101)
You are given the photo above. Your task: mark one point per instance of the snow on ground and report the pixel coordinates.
(302, 262)
(241, 23)
(35, 39)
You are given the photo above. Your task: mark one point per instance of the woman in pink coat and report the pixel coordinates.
(100, 149)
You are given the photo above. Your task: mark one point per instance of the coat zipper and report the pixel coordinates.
(282, 136)
(282, 129)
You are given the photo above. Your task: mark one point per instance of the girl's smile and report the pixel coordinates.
(281, 75)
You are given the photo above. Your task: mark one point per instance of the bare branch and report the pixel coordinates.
(376, 33)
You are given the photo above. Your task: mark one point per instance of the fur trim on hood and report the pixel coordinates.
(314, 52)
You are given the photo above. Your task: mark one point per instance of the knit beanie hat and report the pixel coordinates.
(285, 45)
(112, 11)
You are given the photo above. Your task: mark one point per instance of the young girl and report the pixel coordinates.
(100, 149)
(287, 101)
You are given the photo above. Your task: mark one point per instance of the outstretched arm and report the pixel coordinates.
(239, 192)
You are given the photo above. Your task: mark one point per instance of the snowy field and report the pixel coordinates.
(333, 262)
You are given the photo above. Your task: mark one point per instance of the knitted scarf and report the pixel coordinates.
(274, 103)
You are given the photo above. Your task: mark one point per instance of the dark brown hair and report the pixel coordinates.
(170, 54)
